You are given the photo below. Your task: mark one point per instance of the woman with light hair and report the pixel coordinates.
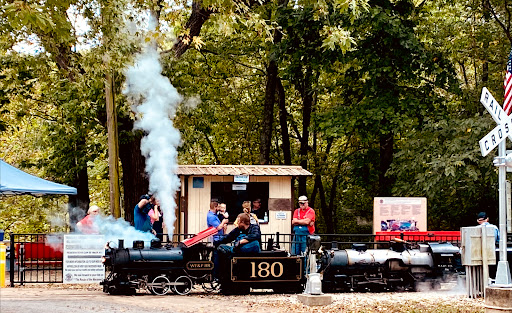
(246, 206)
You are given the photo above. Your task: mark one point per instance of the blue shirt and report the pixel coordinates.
(496, 230)
(253, 233)
(141, 219)
(212, 220)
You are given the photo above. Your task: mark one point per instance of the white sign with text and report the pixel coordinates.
(241, 178)
(500, 132)
(82, 259)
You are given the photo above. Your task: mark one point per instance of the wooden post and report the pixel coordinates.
(485, 262)
(113, 148)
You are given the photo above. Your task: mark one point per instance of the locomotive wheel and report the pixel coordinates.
(183, 285)
(160, 285)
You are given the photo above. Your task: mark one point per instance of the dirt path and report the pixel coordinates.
(60, 298)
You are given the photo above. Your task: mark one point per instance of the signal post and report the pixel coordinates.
(498, 294)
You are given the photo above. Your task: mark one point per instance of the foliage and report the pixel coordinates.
(357, 75)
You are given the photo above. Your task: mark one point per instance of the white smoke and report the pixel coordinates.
(158, 103)
(114, 229)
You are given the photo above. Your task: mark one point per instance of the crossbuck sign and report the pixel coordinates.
(487, 144)
(500, 132)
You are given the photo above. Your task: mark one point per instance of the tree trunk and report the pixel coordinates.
(307, 105)
(196, 20)
(326, 212)
(268, 113)
(270, 96)
(135, 181)
(386, 142)
(81, 199)
(283, 121)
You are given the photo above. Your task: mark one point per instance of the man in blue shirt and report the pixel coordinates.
(483, 221)
(247, 236)
(212, 220)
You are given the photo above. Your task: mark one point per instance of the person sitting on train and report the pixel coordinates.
(247, 237)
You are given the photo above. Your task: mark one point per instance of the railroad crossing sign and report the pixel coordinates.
(487, 144)
(500, 132)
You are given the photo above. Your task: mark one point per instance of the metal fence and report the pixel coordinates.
(37, 258)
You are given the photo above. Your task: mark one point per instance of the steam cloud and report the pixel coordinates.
(114, 229)
(111, 228)
(158, 102)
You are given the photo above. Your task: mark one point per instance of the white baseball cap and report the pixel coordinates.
(303, 198)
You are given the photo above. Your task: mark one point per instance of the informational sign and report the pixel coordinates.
(239, 187)
(399, 214)
(82, 259)
(241, 179)
(280, 215)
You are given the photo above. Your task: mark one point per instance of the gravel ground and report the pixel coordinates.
(61, 298)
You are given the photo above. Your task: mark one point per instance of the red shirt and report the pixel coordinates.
(306, 213)
(87, 225)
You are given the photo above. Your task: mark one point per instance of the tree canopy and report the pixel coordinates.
(375, 98)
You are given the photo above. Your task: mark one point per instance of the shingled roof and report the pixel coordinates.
(252, 170)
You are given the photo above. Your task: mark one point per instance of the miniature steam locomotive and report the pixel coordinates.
(178, 269)
(164, 269)
(360, 268)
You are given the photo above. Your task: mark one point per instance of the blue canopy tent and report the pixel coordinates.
(16, 182)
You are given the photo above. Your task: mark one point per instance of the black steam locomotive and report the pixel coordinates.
(178, 269)
(399, 267)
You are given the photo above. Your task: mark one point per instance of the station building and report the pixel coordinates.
(234, 184)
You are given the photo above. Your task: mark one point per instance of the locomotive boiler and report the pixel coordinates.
(156, 268)
(398, 267)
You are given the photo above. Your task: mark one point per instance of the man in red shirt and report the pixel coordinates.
(86, 225)
(303, 225)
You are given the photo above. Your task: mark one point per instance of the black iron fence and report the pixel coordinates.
(37, 258)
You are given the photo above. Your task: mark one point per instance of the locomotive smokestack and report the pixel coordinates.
(121, 244)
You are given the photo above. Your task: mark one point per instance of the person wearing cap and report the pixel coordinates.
(483, 221)
(141, 218)
(86, 225)
(303, 225)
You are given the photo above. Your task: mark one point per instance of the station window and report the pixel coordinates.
(234, 194)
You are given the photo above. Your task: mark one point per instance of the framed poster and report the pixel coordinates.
(399, 214)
